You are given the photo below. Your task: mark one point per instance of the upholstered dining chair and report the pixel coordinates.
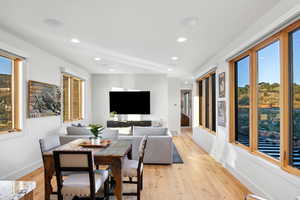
(85, 181)
(49, 142)
(134, 169)
(46, 144)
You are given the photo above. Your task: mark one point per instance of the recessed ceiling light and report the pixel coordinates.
(112, 70)
(174, 58)
(97, 58)
(53, 22)
(181, 39)
(190, 22)
(170, 69)
(75, 40)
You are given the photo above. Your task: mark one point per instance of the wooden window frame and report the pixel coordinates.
(284, 104)
(15, 92)
(70, 88)
(204, 109)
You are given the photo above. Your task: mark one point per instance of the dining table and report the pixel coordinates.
(112, 155)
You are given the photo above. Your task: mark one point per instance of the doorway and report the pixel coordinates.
(186, 108)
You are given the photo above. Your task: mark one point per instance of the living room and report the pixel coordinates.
(162, 105)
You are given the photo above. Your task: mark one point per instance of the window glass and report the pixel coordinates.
(268, 86)
(242, 105)
(295, 133)
(213, 101)
(200, 103)
(207, 102)
(6, 102)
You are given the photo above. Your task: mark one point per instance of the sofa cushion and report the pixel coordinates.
(71, 130)
(149, 131)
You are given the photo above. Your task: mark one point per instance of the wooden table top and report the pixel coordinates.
(118, 148)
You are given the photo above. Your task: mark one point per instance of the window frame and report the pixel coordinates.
(70, 100)
(284, 103)
(202, 108)
(15, 92)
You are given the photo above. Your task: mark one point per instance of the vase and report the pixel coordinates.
(95, 140)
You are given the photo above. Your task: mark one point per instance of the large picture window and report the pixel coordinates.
(265, 99)
(72, 98)
(207, 101)
(9, 93)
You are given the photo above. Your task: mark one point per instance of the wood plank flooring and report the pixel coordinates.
(199, 178)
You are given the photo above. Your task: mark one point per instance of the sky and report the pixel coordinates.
(296, 56)
(269, 63)
(5, 65)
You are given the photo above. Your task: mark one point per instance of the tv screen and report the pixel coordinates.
(130, 102)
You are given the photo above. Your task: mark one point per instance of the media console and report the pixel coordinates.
(120, 124)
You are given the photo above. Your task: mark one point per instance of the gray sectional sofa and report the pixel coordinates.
(159, 147)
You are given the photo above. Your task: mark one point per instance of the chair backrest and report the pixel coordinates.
(142, 148)
(49, 142)
(79, 161)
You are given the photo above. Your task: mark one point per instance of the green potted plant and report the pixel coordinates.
(113, 115)
(96, 131)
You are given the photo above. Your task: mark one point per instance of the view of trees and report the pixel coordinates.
(5, 102)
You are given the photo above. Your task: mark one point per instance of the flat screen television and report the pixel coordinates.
(130, 102)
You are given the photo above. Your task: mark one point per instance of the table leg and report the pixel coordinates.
(28, 196)
(117, 174)
(48, 174)
(129, 154)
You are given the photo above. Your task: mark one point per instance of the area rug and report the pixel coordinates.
(176, 156)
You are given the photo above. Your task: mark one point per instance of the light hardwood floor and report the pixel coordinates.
(199, 178)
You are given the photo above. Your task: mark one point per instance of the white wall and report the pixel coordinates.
(174, 111)
(156, 84)
(19, 152)
(259, 175)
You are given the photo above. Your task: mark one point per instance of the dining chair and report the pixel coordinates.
(46, 144)
(85, 182)
(49, 142)
(134, 169)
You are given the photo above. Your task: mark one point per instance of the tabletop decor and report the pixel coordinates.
(96, 130)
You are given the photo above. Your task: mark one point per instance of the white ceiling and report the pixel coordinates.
(132, 36)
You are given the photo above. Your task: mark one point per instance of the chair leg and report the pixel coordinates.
(138, 188)
(106, 189)
(130, 179)
(142, 180)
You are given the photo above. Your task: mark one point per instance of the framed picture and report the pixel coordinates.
(222, 113)
(222, 85)
(43, 100)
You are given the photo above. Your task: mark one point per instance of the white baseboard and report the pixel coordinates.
(23, 171)
(247, 182)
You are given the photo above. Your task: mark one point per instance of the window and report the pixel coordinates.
(265, 99)
(72, 98)
(294, 155)
(268, 110)
(9, 93)
(207, 101)
(242, 101)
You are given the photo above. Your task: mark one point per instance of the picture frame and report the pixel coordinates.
(43, 99)
(222, 113)
(222, 88)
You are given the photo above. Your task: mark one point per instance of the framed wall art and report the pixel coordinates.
(43, 99)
